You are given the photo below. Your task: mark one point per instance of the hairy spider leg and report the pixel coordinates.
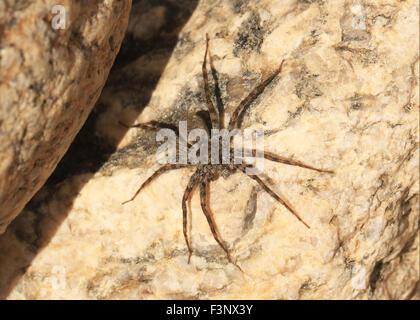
(158, 172)
(151, 125)
(276, 158)
(204, 185)
(206, 210)
(210, 106)
(246, 102)
(217, 93)
(156, 125)
(272, 193)
(194, 180)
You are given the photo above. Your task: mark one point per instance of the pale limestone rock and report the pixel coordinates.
(50, 80)
(347, 99)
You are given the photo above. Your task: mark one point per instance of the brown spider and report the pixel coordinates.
(205, 173)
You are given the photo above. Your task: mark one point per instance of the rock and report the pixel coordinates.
(52, 72)
(346, 100)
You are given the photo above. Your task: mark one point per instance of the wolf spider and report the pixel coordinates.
(206, 173)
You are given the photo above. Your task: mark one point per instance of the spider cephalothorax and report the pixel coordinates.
(206, 173)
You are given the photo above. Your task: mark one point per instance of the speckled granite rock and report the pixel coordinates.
(347, 99)
(52, 72)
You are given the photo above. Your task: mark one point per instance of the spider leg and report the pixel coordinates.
(213, 113)
(151, 125)
(206, 210)
(273, 194)
(156, 125)
(276, 158)
(245, 103)
(158, 172)
(217, 93)
(187, 196)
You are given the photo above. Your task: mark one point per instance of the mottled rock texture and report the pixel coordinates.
(52, 72)
(347, 100)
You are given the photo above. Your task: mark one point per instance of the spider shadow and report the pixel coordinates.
(31, 231)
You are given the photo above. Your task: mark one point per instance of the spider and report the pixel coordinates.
(206, 173)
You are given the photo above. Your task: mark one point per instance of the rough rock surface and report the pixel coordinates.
(347, 99)
(52, 72)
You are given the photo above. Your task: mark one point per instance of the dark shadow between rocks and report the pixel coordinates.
(32, 230)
